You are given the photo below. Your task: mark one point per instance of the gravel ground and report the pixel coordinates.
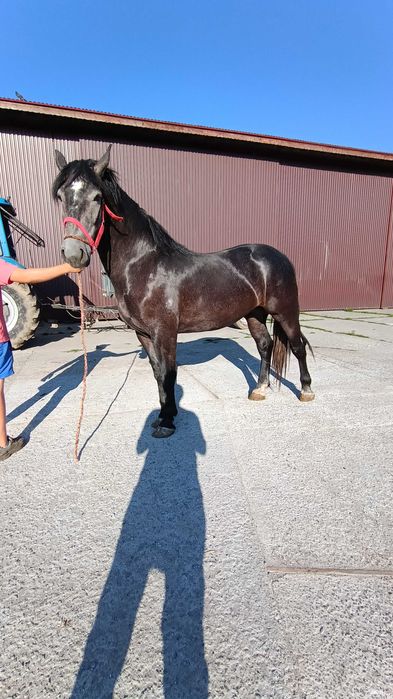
(250, 555)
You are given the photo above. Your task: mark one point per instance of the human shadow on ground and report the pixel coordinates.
(59, 383)
(163, 529)
(205, 349)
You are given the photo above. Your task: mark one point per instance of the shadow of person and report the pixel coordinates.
(205, 349)
(163, 529)
(58, 383)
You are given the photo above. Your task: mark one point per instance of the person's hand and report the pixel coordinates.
(72, 270)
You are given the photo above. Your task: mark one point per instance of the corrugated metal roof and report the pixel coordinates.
(191, 130)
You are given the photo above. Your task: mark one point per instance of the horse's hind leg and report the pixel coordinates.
(289, 322)
(256, 321)
(162, 357)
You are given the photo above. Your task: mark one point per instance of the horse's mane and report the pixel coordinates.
(113, 195)
(161, 238)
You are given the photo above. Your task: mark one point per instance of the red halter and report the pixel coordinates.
(89, 240)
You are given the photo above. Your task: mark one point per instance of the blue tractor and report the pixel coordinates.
(20, 303)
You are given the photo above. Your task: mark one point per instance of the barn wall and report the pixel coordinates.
(387, 287)
(333, 224)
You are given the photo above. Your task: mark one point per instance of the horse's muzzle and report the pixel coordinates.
(76, 253)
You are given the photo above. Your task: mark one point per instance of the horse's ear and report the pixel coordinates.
(60, 159)
(103, 162)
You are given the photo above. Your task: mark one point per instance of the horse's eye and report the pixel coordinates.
(58, 197)
(97, 197)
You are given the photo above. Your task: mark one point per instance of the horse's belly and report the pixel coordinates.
(213, 317)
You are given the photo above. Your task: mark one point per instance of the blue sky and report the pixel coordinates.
(319, 70)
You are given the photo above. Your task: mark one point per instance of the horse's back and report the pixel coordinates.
(260, 252)
(274, 265)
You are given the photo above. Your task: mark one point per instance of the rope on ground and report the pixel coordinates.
(85, 369)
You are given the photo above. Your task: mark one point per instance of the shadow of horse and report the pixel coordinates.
(163, 529)
(59, 383)
(68, 377)
(203, 350)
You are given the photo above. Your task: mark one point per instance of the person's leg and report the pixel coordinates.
(3, 426)
(8, 445)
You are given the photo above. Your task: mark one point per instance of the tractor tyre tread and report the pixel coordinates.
(28, 313)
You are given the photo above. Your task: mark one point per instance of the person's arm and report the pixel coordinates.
(40, 274)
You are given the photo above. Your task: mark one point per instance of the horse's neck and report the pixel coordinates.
(136, 227)
(130, 244)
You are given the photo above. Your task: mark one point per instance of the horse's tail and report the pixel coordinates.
(281, 351)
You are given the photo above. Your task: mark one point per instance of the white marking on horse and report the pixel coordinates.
(246, 281)
(77, 185)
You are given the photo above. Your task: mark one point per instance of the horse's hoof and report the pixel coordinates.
(156, 423)
(163, 432)
(257, 394)
(306, 396)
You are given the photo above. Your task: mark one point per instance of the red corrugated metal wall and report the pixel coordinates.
(387, 287)
(205, 201)
(26, 174)
(332, 224)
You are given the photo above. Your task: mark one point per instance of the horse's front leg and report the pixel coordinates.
(162, 356)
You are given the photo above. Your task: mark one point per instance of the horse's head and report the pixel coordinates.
(79, 187)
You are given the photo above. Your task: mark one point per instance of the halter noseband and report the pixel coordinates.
(89, 240)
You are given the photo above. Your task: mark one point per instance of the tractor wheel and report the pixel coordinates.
(21, 312)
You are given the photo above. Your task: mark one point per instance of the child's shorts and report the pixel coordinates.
(6, 360)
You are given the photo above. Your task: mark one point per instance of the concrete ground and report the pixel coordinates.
(250, 555)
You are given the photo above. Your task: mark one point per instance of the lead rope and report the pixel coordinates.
(85, 369)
